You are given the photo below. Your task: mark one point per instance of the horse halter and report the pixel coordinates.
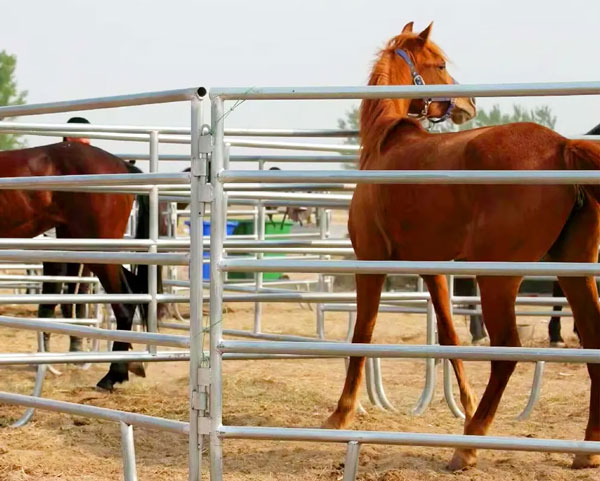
(418, 80)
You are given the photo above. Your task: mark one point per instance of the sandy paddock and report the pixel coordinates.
(285, 393)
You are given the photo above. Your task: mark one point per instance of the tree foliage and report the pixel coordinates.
(9, 95)
(350, 122)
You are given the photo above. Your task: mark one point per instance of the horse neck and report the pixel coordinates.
(377, 115)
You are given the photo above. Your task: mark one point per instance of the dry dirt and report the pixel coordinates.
(285, 393)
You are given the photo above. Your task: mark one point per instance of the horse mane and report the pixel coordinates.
(378, 115)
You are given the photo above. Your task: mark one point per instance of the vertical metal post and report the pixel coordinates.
(260, 235)
(197, 180)
(351, 464)
(153, 223)
(429, 387)
(128, 452)
(217, 220)
(534, 395)
(321, 282)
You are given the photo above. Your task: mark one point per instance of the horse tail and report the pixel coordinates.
(584, 155)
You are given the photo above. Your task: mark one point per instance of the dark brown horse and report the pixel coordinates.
(73, 270)
(468, 222)
(75, 215)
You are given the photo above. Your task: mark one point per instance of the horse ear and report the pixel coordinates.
(408, 28)
(424, 35)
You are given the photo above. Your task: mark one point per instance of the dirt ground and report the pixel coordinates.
(285, 393)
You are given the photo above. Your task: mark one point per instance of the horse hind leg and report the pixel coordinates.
(556, 339)
(583, 298)
(438, 289)
(498, 295)
(368, 294)
(48, 310)
(113, 280)
(75, 270)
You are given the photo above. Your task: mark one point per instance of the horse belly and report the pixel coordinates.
(26, 214)
(426, 222)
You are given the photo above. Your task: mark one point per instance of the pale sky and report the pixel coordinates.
(70, 49)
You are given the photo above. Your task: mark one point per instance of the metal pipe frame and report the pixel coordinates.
(409, 439)
(413, 351)
(217, 220)
(87, 257)
(128, 129)
(96, 333)
(146, 98)
(442, 177)
(295, 158)
(128, 452)
(153, 234)
(407, 91)
(133, 419)
(198, 411)
(43, 358)
(566, 269)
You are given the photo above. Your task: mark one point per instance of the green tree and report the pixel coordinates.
(9, 95)
(350, 122)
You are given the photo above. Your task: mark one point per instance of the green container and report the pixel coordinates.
(246, 227)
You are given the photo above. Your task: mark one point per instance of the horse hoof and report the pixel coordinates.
(335, 421)
(582, 461)
(557, 344)
(462, 459)
(137, 368)
(479, 342)
(105, 384)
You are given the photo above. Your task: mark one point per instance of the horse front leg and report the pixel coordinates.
(368, 294)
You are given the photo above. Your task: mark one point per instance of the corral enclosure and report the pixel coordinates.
(287, 393)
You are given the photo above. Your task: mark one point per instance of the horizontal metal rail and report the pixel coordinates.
(291, 187)
(94, 257)
(89, 298)
(129, 129)
(294, 158)
(490, 177)
(423, 310)
(467, 353)
(291, 132)
(566, 269)
(52, 181)
(11, 359)
(87, 128)
(342, 148)
(408, 91)
(288, 196)
(134, 419)
(97, 333)
(36, 278)
(409, 439)
(79, 320)
(128, 100)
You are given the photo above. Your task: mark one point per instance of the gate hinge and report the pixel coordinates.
(201, 400)
(205, 144)
(206, 193)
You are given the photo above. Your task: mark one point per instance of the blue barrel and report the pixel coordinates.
(231, 225)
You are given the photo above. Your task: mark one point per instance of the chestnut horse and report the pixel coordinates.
(29, 213)
(468, 222)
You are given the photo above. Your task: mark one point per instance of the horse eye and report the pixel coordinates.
(442, 67)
